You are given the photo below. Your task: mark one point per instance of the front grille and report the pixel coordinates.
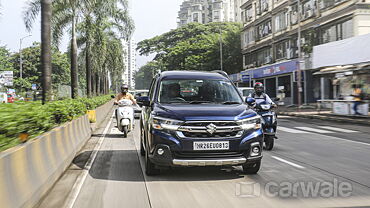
(210, 129)
(207, 154)
(221, 124)
(207, 135)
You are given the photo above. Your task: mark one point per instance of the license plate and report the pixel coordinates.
(211, 145)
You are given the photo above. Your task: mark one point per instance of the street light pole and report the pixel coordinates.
(221, 61)
(299, 72)
(20, 56)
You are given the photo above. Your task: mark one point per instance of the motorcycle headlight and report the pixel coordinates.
(160, 123)
(250, 123)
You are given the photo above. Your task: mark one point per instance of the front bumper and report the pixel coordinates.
(179, 152)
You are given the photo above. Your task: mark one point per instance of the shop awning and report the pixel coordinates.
(345, 70)
(344, 52)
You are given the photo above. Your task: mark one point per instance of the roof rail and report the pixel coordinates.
(223, 73)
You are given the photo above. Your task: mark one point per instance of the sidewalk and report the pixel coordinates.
(324, 114)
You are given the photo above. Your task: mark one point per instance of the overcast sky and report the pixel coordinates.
(152, 17)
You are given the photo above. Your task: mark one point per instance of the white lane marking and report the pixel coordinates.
(76, 189)
(289, 130)
(315, 130)
(338, 129)
(287, 162)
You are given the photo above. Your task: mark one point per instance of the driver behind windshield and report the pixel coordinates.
(124, 94)
(171, 92)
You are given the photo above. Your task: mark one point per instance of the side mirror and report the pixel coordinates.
(277, 99)
(143, 101)
(112, 96)
(250, 101)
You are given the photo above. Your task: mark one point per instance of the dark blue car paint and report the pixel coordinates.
(193, 112)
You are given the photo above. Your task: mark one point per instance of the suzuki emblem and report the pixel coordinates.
(211, 128)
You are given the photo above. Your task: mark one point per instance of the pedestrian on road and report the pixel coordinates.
(357, 97)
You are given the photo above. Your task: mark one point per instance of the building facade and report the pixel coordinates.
(270, 41)
(130, 63)
(206, 11)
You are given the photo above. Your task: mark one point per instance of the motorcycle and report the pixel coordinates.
(269, 120)
(125, 116)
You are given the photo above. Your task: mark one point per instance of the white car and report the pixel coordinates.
(245, 91)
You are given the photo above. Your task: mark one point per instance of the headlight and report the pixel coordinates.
(265, 107)
(250, 123)
(160, 123)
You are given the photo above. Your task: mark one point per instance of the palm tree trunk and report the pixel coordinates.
(46, 13)
(93, 84)
(88, 70)
(74, 69)
(97, 84)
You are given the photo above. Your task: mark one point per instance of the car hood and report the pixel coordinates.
(211, 112)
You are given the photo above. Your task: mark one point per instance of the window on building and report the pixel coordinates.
(293, 48)
(294, 14)
(262, 6)
(217, 5)
(281, 21)
(195, 17)
(216, 15)
(336, 32)
(281, 50)
(250, 60)
(264, 56)
(308, 9)
(249, 14)
(248, 36)
(263, 29)
(325, 4)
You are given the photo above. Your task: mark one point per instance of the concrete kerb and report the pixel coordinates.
(29, 170)
(326, 118)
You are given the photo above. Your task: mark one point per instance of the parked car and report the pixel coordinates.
(137, 94)
(10, 98)
(245, 91)
(141, 93)
(3, 97)
(213, 127)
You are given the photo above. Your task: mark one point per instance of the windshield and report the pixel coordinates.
(247, 92)
(198, 91)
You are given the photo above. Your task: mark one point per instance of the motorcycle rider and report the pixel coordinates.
(259, 95)
(124, 94)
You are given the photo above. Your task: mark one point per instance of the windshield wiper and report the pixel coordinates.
(199, 102)
(230, 103)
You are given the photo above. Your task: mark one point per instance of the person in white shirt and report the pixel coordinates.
(259, 94)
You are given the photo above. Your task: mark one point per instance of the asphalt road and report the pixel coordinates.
(314, 164)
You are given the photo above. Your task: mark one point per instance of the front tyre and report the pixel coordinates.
(251, 169)
(150, 168)
(125, 131)
(269, 142)
(142, 150)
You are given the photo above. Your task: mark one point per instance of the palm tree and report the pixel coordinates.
(65, 15)
(46, 13)
(100, 17)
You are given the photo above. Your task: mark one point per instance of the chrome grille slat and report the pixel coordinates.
(198, 129)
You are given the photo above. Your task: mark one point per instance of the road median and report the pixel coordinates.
(29, 170)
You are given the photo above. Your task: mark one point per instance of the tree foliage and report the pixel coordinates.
(32, 68)
(197, 47)
(144, 76)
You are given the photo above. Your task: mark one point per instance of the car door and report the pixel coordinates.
(147, 110)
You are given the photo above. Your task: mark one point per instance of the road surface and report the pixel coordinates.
(314, 164)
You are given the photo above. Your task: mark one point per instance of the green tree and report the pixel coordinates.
(104, 21)
(196, 47)
(144, 76)
(65, 16)
(32, 68)
(5, 57)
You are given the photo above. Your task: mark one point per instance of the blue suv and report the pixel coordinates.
(198, 119)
